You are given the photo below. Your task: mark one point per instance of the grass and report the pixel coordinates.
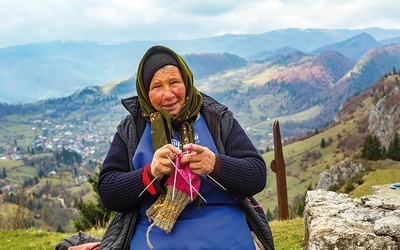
(35, 239)
(30, 239)
(388, 175)
(288, 235)
(15, 129)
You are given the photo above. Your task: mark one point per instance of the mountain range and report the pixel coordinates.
(35, 72)
(304, 90)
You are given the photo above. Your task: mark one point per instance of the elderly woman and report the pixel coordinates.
(180, 166)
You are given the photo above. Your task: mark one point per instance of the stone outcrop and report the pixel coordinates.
(384, 121)
(335, 221)
(338, 173)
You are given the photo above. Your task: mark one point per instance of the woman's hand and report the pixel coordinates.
(201, 160)
(161, 165)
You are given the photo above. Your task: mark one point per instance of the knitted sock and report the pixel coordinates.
(170, 209)
(152, 211)
(182, 188)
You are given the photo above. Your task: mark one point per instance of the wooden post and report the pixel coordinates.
(278, 166)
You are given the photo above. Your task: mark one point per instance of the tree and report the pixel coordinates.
(41, 173)
(372, 149)
(269, 215)
(323, 143)
(394, 149)
(4, 174)
(69, 157)
(19, 219)
(92, 213)
(60, 229)
(45, 214)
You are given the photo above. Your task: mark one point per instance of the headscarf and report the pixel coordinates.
(163, 124)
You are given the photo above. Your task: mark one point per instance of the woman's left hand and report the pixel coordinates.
(201, 160)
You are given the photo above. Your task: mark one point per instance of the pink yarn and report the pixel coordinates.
(184, 178)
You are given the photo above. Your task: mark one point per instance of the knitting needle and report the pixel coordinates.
(190, 177)
(173, 163)
(148, 185)
(190, 184)
(173, 190)
(215, 181)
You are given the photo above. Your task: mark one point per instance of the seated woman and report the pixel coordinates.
(181, 163)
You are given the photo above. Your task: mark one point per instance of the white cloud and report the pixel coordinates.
(25, 21)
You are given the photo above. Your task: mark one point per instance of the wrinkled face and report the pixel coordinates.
(167, 90)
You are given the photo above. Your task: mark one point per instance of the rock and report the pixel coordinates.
(384, 118)
(338, 173)
(335, 221)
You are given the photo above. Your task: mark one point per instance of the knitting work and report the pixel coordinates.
(182, 188)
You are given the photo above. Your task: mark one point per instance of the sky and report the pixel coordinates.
(117, 21)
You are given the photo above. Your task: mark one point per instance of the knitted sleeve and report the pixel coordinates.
(243, 170)
(119, 188)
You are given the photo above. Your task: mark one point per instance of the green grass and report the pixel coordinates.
(9, 164)
(35, 239)
(376, 178)
(15, 129)
(288, 235)
(30, 239)
(7, 209)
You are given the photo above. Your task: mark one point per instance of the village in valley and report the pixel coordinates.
(51, 162)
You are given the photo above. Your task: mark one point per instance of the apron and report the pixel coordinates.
(216, 224)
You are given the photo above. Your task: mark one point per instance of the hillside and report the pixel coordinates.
(305, 159)
(302, 90)
(370, 68)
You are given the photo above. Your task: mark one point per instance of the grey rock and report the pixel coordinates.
(335, 221)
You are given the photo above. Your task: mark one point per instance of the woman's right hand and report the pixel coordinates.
(161, 165)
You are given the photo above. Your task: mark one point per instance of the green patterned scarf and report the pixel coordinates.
(163, 124)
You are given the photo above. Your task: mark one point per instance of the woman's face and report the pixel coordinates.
(167, 90)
